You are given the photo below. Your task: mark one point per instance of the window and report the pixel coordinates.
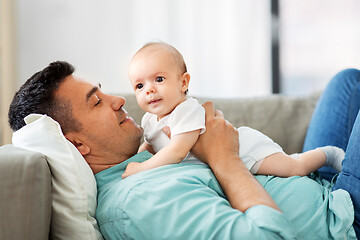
(317, 39)
(226, 44)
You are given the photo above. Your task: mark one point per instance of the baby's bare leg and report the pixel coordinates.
(283, 165)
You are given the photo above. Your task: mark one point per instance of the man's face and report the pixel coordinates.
(107, 133)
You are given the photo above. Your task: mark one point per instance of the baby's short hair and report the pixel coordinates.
(172, 50)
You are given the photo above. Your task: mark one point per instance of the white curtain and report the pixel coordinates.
(225, 43)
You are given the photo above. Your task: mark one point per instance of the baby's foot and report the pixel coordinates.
(334, 157)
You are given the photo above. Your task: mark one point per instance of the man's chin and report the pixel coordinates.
(140, 134)
(137, 125)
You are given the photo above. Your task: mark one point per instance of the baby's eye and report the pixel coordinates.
(139, 86)
(160, 79)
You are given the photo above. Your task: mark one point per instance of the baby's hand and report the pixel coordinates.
(167, 131)
(132, 168)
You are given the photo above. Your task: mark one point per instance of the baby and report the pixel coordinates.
(160, 80)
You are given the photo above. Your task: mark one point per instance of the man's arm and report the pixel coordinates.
(219, 148)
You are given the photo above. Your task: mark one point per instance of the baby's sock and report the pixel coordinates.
(334, 157)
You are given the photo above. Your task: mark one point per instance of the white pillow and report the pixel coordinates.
(73, 183)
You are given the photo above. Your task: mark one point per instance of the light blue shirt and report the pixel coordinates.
(185, 201)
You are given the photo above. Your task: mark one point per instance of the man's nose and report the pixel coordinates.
(117, 102)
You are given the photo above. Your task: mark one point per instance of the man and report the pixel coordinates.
(182, 201)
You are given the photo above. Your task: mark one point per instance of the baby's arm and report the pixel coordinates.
(283, 165)
(146, 147)
(175, 152)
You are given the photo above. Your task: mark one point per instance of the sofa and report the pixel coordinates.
(25, 176)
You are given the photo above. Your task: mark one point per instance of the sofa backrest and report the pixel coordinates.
(285, 119)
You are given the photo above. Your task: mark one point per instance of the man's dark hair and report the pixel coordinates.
(37, 95)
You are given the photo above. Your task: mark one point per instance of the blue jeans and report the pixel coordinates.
(336, 122)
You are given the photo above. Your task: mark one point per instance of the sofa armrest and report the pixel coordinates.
(25, 194)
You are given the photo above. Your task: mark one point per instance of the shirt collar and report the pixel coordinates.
(116, 171)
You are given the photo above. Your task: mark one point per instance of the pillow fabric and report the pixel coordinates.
(73, 182)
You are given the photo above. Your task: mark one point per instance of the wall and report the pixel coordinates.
(7, 65)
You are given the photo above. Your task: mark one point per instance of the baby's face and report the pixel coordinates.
(157, 80)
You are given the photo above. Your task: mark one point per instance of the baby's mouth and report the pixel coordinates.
(154, 101)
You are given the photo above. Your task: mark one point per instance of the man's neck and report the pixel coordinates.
(98, 164)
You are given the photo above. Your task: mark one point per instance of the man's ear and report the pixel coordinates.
(83, 148)
(185, 79)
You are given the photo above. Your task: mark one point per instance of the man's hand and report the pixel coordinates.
(219, 148)
(220, 140)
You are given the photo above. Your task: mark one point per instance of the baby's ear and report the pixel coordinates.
(185, 79)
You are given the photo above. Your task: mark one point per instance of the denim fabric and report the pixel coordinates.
(336, 122)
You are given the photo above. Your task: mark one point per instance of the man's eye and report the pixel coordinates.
(98, 102)
(160, 79)
(139, 86)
